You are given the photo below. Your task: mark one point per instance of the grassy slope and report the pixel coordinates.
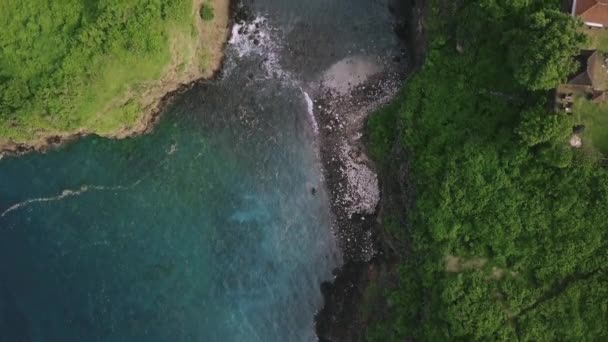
(598, 39)
(88, 64)
(507, 241)
(594, 117)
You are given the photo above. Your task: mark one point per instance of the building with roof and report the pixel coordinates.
(590, 81)
(592, 72)
(593, 13)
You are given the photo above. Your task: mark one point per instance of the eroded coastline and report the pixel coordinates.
(222, 239)
(368, 253)
(158, 95)
(338, 99)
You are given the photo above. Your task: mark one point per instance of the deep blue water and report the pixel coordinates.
(207, 229)
(215, 237)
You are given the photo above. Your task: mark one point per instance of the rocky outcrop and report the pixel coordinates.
(353, 179)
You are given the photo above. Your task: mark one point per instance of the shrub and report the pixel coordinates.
(206, 12)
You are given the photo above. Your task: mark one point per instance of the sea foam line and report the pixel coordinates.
(256, 38)
(67, 193)
(311, 113)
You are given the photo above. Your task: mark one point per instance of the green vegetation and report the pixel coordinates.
(83, 64)
(541, 47)
(508, 237)
(383, 130)
(598, 39)
(594, 117)
(206, 12)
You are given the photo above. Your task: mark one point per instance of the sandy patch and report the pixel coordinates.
(350, 72)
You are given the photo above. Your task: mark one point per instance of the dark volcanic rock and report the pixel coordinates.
(341, 319)
(340, 313)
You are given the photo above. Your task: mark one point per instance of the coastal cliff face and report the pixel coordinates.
(369, 260)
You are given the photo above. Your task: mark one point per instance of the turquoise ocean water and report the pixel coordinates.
(214, 227)
(206, 229)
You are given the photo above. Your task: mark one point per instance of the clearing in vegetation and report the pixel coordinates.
(594, 116)
(598, 39)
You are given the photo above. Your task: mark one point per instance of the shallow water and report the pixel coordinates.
(207, 229)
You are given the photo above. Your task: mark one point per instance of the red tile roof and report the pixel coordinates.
(595, 11)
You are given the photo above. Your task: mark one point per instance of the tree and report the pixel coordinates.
(541, 50)
(206, 12)
(558, 155)
(537, 126)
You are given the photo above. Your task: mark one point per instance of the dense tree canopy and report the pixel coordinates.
(499, 191)
(537, 126)
(541, 49)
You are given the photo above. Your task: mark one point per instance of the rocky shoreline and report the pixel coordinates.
(146, 125)
(367, 254)
(161, 97)
(358, 191)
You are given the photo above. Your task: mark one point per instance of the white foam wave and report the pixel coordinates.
(311, 113)
(258, 38)
(244, 36)
(65, 194)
